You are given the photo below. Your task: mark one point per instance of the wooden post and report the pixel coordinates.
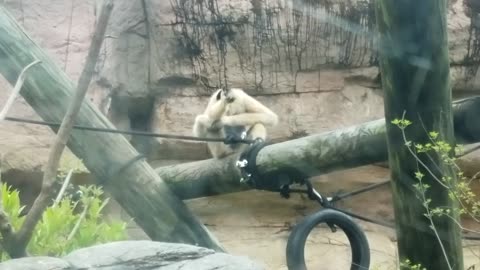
(314, 155)
(138, 189)
(414, 63)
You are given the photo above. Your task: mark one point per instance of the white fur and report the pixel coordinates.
(243, 111)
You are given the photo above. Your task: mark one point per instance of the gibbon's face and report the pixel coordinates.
(226, 94)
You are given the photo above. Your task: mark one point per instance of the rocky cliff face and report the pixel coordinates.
(141, 255)
(312, 62)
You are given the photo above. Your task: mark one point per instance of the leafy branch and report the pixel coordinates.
(15, 243)
(458, 191)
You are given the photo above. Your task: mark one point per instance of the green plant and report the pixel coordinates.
(457, 184)
(69, 162)
(62, 230)
(11, 204)
(407, 264)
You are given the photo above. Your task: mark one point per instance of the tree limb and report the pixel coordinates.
(6, 229)
(50, 173)
(346, 148)
(16, 90)
(138, 189)
(64, 187)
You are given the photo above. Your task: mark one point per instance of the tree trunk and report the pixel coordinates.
(317, 154)
(138, 189)
(415, 76)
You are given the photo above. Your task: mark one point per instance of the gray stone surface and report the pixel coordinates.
(136, 255)
(35, 263)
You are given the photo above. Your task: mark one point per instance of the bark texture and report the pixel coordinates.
(415, 75)
(346, 148)
(138, 189)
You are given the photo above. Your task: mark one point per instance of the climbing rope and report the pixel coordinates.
(131, 132)
(280, 181)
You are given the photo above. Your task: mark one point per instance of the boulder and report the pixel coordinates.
(136, 255)
(35, 263)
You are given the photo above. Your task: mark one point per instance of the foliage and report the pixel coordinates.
(405, 265)
(56, 234)
(457, 184)
(11, 203)
(408, 265)
(69, 162)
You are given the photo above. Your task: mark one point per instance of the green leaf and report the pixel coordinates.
(433, 134)
(50, 237)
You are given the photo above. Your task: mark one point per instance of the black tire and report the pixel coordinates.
(358, 241)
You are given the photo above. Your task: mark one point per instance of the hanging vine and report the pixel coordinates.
(273, 36)
(472, 59)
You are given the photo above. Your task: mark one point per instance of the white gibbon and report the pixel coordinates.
(233, 114)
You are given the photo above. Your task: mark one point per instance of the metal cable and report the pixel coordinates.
(131, 132)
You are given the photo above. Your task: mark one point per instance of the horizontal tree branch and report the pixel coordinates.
(318, 154)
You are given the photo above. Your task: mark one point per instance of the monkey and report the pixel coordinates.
(233, 114)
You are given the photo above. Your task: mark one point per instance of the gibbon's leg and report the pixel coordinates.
(257, 131)
(217, 149)
(220, 150)
(234, 133)
(203, 128)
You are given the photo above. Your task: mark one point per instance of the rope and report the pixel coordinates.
(131, 132)
(327, 204)
(246, 163)
(359, 191)
(250, 175)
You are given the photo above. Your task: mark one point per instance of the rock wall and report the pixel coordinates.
(141, 255)
(312, 62)
(64, 30)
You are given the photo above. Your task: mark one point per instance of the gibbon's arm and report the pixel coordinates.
(200, 126)
(209, 120)
(216, 105)
(256, 113)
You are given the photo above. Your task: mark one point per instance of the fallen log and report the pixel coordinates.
(137, 188)
(350, 147)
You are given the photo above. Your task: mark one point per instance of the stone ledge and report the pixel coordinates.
(136, 255)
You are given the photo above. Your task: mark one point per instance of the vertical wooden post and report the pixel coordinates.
(137, 188)
(415, 77)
